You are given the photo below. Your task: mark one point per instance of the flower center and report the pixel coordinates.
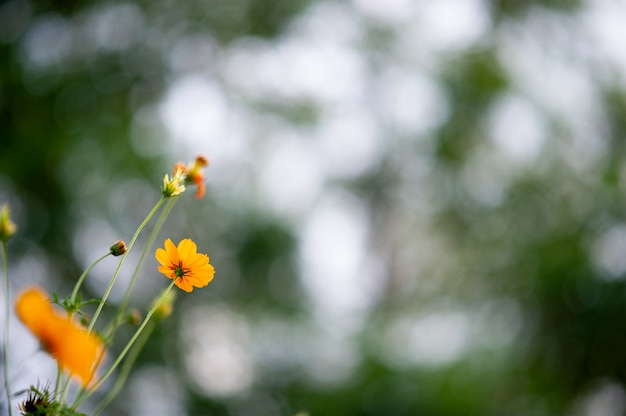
(179, 271)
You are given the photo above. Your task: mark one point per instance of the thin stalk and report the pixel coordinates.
(58, 380)
(125, 369)
(66, 387)
(127, 347)
(5, 346)
(122, 308)
(80, 280)
(73, 297)
(130, 245)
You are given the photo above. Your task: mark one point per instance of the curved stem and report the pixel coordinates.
(125, 369)
(80, 280)
(77, 286)
(5, 347)
(130, 245)
(127, 347)
(66, 387)
(144, 253)
(58, 380)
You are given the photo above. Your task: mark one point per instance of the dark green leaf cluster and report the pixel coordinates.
(39, 402)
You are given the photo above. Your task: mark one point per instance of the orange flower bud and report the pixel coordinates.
(118, 248)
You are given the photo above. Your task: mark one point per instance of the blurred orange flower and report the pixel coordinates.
(184, 175)
(75, 349)
(183, 263)
(196, 175)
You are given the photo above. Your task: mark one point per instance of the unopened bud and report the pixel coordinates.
(85, 319)
(134, 317)
(118, 248)
(166, 307)
(202, 161)
(7, 227)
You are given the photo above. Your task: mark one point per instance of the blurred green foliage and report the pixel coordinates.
(66, 147)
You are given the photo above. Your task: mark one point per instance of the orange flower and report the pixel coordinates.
(196, 175)
(183, 263)
(75, 349)
(184, 175)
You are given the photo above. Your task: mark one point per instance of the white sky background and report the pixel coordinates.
(323, 59)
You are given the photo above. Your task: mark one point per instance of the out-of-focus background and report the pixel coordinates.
(414, 207)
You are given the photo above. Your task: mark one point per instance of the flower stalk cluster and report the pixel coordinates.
(78, 343)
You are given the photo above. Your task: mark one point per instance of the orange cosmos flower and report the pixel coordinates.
(196, 175)
(190, 174)
(183, 263)
(184, 175)
(75, 349)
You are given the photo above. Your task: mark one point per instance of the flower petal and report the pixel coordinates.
(168, 271)
(172, 252)
(162, 257)
(184, 284)
(205, 273)
(34, 310)
(197, 260)
(187, 250)
(76, 350)
(197, 281)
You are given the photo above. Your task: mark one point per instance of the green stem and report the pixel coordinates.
(122, 308)
(130, 245)
(73, 297)
(5, 347)
(127, 347)
(66, 387)
(82, 277)
(58, 380)
(125, 369)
